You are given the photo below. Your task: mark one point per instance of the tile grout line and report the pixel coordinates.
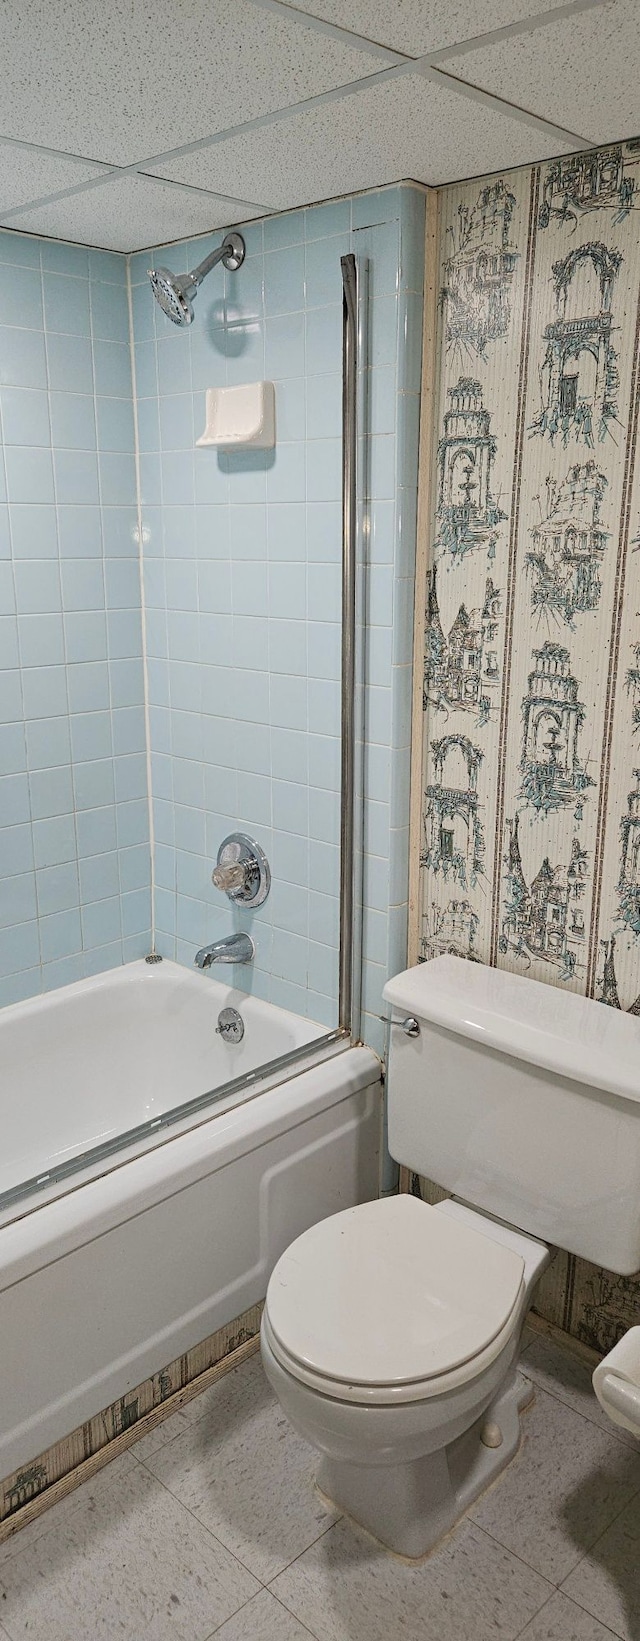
(536, 1614)
(245, 1604)
(627, 1506)
(225, 1546)
(588, 1614)
(202, 1524)
(582, 1557)
(108, 641)
(233, 1616)
(507, 1547)
(219, 1541)
(286, 1609)
(20, 668)
(302, 1553)
(576, 1604)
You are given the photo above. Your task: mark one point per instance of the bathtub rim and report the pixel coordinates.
(39, 1189)
(159, 1131)
(50, 1229)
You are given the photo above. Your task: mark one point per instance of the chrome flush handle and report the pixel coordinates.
(410, 1026)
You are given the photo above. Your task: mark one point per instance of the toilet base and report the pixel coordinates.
(409, 1507)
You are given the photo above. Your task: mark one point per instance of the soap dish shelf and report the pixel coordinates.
(242, 416)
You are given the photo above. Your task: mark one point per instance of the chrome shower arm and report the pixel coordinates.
(231, 252)
(196, 275)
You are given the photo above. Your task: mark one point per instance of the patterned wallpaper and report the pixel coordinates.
(530, 853)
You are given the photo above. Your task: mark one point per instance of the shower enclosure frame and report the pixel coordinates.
(346, 992)
(97, 1158)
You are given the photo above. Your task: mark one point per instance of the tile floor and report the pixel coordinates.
(210, 1526)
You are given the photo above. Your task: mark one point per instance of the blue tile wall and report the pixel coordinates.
(74, 837)
(242, 593)
(242, 604)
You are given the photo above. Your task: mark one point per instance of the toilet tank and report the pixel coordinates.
(523, 1100)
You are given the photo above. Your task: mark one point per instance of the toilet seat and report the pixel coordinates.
(392, 1301)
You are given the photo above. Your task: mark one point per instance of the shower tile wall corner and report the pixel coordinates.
(242, 593)
(74, 838)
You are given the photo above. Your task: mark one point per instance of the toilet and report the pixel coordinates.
(391, 1331)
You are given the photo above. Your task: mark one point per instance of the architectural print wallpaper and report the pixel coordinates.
(530, 849)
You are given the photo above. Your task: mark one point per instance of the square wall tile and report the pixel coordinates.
(71, 515)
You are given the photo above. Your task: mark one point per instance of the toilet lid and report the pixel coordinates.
(390, 1293)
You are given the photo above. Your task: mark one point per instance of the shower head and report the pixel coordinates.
(175, 292)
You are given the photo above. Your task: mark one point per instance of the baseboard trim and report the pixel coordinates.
(566, 1340)
(88, 1467)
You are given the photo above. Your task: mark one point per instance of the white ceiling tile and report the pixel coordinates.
(582, 73)
(130, 212)
(418, 27)
(127, 79)
(404, 127)
(31, 173)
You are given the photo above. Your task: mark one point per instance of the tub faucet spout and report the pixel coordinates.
(233, 948)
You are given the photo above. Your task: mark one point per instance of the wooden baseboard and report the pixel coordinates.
(565, 1340)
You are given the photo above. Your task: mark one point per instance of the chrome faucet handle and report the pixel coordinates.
(242, 870)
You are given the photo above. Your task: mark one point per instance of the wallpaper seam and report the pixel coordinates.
(513, 552)
(614, 654)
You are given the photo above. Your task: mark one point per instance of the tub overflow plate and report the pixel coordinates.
(230, 1026)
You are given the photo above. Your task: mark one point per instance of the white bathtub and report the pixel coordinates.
(108, 1056)
(102, 1285)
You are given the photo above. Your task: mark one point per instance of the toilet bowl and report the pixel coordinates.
(390, 1332)
(389, 1335)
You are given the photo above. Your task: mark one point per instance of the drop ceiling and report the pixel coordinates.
(136, 122)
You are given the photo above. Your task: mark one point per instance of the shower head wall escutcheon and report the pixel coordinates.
(175, 292)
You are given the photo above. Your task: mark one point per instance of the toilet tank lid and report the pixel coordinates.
(568, 1035)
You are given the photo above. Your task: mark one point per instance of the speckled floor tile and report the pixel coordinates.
(561, 1620)
(607, 1581)
(265, 1619)
(566, 1376)
(243, 1471)
(130, 1563)
(115, 1474)
(469, 1589)
(567, 1484)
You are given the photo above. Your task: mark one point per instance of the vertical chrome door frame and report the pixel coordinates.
(347, 1003)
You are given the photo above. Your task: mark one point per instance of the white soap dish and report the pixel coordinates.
(243, 415)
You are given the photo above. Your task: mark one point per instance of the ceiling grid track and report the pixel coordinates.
(356, 94)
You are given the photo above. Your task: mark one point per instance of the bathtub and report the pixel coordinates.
(116, 1258)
